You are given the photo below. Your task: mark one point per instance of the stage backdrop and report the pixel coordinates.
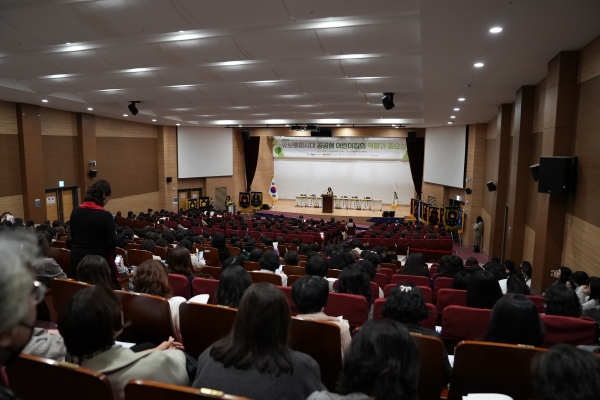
(350, 166)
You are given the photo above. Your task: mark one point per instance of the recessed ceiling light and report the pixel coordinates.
(44, 101)
(397, 127)
(181, 31)
(461, 99)
(453, 116)
(286, 125)
(337, 124)
(125, 115)
(478, 65)
(68, 42)
(457, 109)
(496, 29)
(450, 122)
(178, 124)
(90, 109)
(153, 120)
(240, 126)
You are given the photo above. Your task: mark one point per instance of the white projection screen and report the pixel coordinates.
(445, 155)
(361, 178)
(204, 152)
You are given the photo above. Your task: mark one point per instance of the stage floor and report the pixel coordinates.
(359, 216)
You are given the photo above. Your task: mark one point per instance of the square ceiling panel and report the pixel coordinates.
(310, 69)
(138, 94)
(252, 100)
(100, 96)
(247, 72)
(346, 98)
(225, 89)
(275, 88)
(137, 79)
(133, 56)
(91, 82)
(47, 86)
(85, 61)
(329, 86)
(295, 99)
(406, 65)
(184, 92)
(311, 9)
(384, 85)
(281, 44)
(180, 76)
(206, 50)
(213, 101)
(25, 66)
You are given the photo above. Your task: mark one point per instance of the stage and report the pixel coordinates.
(362, 217)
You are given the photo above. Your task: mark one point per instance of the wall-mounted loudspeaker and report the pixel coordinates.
(535, 172)
(491, 187)
(468, 190)
(245, 134)
(412, 136)
(93, 173)
(557, 175)
(169, 179)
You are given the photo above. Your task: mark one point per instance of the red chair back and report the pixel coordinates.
(569, 330)
(432, 244)
(417, 244)
(351, 307)
(450, 297)
(464, 323)
(205, 286)
(389, 243)
(446, 244)
(539, 303)
(415, 280)
(441, 283)
(389, 272)
(180, 285)
(381, 280)
(374, 290)
(402, 245)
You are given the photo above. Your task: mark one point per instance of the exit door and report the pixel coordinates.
(60, 202)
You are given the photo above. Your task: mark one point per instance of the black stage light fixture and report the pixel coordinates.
(388, 101)
(132, 108)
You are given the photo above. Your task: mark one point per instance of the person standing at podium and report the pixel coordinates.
(329, 191)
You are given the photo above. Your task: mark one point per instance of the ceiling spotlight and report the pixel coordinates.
(396, 127)
(153, 120)
(178, 124)
(132, 108)
(90, 109)
(338, 124)
(453, 116)
(457, 109)
(450, 122)
(461, 99)
(388, 101)
(125, 115)
(496, 29)
(287, 125)
(239, 126)
(44, 101)
(478, 65)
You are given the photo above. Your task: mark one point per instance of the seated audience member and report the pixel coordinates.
(316, 266)
(310, 294)
(515, 320)
(483, 290)
(353, 280)
(591, 308)
(151, 278)
(47, 344)
(562, 275)
(255, 255)
(95, 271)
(578, 282)
(291, 258)
(218, 242)
(233, 283)
(253, 360)
(406, 305)
(472, 263)
(179, 261)
(46, 268)
(562, 301)
(341, 260)
(415, 265)
(461, 280)
(368, 268)
(269, 263)
(450, 265)
(149, 245)
(526, 272)
(515, 284)
(566, 373)
(382, 364)
(89, 325)
(233, 260)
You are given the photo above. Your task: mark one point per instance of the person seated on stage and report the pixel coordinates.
(269, 263)
(310, 294)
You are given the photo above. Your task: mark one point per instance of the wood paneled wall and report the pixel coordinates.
(136, 203)
(10, 168)
(60, 160)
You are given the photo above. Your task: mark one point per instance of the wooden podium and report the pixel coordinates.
(327, 203)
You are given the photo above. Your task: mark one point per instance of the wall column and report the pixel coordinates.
(167, 166)
(519, 173)
(86, 142)
(559, 131)
(29, 126)
(475, 169)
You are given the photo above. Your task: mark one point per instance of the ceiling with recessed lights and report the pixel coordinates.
(277, 62)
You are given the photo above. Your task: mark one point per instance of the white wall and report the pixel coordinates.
(375, 179)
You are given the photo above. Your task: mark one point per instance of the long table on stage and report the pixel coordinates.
(342, 202)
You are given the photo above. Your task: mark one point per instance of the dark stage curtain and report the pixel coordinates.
(251, 159)
(416, 157)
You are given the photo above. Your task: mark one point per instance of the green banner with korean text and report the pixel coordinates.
(359, 148)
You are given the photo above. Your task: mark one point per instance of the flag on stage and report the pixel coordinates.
(273, 190)
(395, 203)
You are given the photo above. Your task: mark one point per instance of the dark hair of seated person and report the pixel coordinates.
(565, 274)
(560, 300)
(415, 265)
(233, 260)
(259, 334)
(310, 294)
(269, 260)
(234, 282)
(382, 362)
(291, 258)
(556, 371)
(90, 321)
(515, 320)
(255, 255)
(471, 262)
(95, 271)
(579, 278)
(483, 290)
(317, 266)
(367, 267)
(151, 278)
(450, 265)
(405, 304)
(179, 261)
(352, 280)
(461, 280)
(515, 284)
(148, 245)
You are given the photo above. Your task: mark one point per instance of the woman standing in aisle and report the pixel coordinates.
(478, 233)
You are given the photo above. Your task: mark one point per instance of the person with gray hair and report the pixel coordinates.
(19, 295)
